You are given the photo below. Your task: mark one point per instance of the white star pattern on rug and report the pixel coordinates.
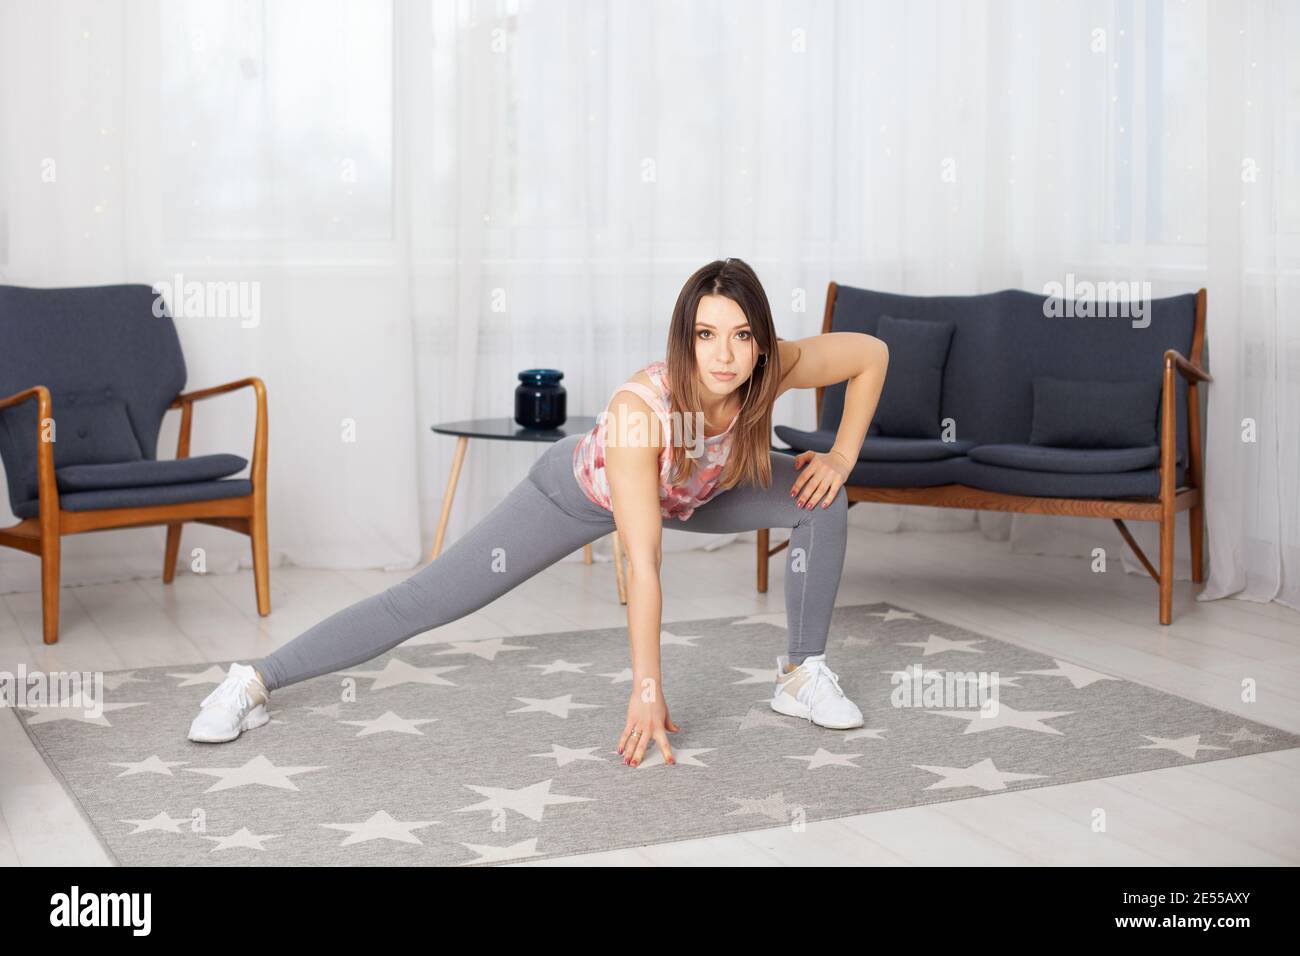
(774, 806)
(935, 644)
(556, 706)
(619, 677)
(258, 771)
(530, 801)
(563, 756)
(243, 838)
(560, 666)
(1242, 733)
(685, 756)
(389, 722)
(982, 719)
(74, 710)
(496, 854)
(213, 675)
(983, 776)
(893, 614)
(115, 681)
(397, 672)
(487, 649)
(775, 618)
(380, 826)
(1187, 746)
(862, 732)
(669, 639)
(1077, 676)
(162, 823)
(154, 764)
(757, 675)
(824, 758)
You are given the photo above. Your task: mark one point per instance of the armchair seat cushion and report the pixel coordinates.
(876, 447)
(1144, 483)
(136, 474)
(143, 496)
(1077, 460)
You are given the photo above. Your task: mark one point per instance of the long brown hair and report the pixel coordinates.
(751, 448)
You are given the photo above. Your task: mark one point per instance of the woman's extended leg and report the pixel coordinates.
(814, 558)
(537, 524)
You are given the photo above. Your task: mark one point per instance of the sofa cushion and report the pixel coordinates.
(1079, 414)
(1072, 460)
(1144, 483)
(137, 474)
(875, 447)
(909, 402)
(143, 497)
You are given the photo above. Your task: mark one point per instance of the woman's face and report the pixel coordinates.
(723, 343)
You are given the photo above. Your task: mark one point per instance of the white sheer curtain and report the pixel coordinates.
(432, 196)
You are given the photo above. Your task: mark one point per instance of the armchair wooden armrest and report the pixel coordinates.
(185, 402)
(39, 392)
(1189, 370)
(47, 489)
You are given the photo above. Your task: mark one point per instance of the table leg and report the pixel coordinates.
(449, 495)
(586, 554)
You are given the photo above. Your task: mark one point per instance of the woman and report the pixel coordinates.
(639, 466)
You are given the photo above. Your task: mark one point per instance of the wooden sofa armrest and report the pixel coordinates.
(1189, 370)
(185, 402)
(1174, 361)
(47, 489)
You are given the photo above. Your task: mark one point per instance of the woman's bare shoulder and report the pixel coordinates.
(627, 409)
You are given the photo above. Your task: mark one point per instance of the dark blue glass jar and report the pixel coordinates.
(539, 399)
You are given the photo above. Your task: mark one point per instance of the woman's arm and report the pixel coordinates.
(633, 472)
(632, 449)
(828, 359)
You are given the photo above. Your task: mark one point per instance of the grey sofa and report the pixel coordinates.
(86, 375)
(1013, 401)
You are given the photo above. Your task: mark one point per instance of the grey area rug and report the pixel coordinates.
(496, 750)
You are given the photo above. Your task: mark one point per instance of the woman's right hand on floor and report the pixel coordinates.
(647, 711)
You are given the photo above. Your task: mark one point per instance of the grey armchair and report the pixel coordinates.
(86, 375)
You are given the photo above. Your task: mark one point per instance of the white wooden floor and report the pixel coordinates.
(1231, 812)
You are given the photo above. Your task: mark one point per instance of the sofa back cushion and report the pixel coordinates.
(87, 345)
(1002, 341)
(1094, 414)
(909, 404)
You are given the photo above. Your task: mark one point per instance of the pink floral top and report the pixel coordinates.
(675, 501)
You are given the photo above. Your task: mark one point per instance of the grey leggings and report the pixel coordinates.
(545, 518)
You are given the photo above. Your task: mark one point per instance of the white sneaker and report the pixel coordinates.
(238, 704)
(812, 690)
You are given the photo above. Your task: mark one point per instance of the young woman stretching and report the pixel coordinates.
(684, 441)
